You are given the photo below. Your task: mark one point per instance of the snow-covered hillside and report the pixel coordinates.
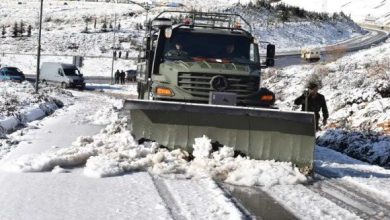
(64, 31)
(377, 11)
(296, 32)
(357, 91)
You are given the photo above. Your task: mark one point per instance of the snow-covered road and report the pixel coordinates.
(51, 174)
(66, 193)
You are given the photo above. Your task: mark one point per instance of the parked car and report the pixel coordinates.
(11, 73)
(67, 75)
(131, 75)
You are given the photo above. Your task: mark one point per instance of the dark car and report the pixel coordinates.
(131, 75)
(11, 73)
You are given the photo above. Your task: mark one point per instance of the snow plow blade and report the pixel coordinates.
(259, 133)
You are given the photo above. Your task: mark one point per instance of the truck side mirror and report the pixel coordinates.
(270, 55)
(60, 73)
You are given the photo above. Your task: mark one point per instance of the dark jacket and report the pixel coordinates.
(315, 104)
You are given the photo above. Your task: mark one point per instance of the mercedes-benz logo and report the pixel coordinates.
(219, 83)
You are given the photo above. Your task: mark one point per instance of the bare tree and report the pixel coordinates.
(335, 52)
(380, 69)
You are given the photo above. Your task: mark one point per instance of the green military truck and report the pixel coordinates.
(201, 75)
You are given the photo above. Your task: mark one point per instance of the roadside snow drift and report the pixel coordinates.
(115, 152)
(19, 104)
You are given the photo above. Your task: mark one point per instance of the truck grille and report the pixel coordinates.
(198, 84)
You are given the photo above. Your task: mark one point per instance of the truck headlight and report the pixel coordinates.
(267, 98)
(162, 91)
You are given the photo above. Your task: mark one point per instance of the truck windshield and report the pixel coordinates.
(186, 45)
(71, 72)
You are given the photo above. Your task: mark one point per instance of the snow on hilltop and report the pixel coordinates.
(360, 10)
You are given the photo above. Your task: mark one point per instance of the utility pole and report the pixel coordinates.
(113, 48)
(39, 48)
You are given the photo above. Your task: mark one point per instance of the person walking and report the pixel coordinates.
(123, 76)
(312, 101)
(117, 73)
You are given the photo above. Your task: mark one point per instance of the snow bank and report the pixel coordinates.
(115, 152)
(366, 147)
(19, 104)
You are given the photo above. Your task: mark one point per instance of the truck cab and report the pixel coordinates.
(203, 56)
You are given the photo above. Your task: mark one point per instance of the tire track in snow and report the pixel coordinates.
(166, 196)
(197, 198)
(350, 198)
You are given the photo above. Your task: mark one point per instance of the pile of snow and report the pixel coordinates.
(357, 91)
(370, 148)
(114, 152)
(19, 104)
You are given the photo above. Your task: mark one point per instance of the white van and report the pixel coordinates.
(310, 54)
(67, 75)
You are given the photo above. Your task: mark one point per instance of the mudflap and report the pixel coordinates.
(260, 133)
